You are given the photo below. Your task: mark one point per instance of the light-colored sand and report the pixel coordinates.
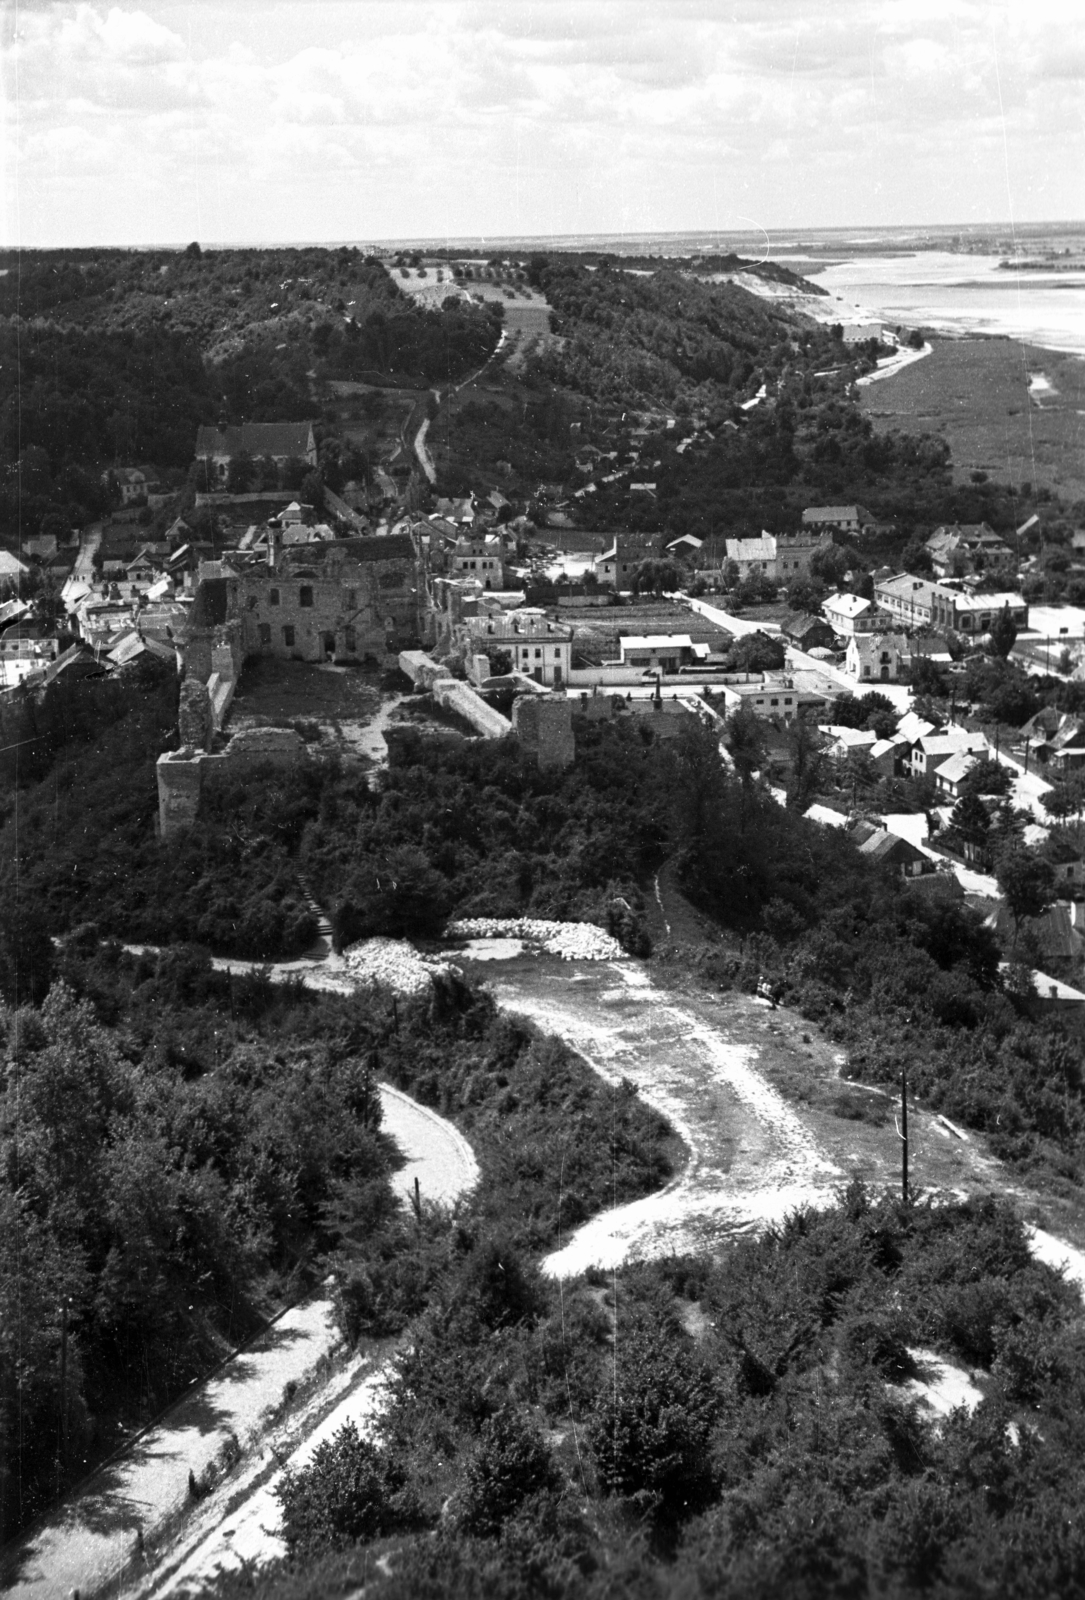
(1056, 1253)
(941, 1386)
(251, 1532)
(438, 1154)
(704, 1085)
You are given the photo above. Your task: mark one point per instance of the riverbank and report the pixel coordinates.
(982, 396)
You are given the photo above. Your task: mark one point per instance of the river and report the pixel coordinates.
(948, 292)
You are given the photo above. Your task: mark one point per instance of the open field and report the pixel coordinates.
(976, 392)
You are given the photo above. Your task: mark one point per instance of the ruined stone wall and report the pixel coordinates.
(219, 648)
(462, 698)
(544, 728)
(179, 782)
(183, 774)
(421, 668)
(194, 722)
(335, 608)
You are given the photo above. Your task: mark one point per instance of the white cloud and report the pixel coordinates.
(327, 119)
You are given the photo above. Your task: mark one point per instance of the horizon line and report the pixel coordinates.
(581, 240)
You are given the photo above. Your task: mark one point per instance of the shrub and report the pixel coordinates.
(349, 1491)
(510, 1464)
(650, 1431)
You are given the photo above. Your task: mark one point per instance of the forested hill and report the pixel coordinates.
(116, 357)
(632, 337)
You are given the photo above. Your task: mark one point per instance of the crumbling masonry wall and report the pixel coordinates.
(544, 727)
(182, 774)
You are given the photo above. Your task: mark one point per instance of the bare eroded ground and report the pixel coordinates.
(756, 1096)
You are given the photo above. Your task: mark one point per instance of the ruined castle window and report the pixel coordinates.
(351, 641)
(273, 597)
(252, 602)
(265, 633)
(288, 636)
(305, 597)
(352, 599)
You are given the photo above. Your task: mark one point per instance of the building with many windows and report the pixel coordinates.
(538, 648)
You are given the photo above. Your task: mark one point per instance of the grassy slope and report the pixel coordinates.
(975, 393)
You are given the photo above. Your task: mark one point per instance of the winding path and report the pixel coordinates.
(124, 1510)
(751, 1159)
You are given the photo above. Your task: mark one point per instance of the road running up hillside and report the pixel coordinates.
(117, 1520)
(751, 1157)
(755, 1095)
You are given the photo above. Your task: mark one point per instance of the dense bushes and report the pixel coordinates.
(349, 1491)
(780, 1449)
(158, 1178)
(477, 830)
(482, 831)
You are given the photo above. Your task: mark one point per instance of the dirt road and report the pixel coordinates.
(756, 1097)
(751, 1157)
(119, 1518)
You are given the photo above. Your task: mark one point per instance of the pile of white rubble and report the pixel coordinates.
(393, 963)
(572, 941)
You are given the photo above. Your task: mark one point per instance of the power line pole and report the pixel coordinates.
(62, 1454)
(904, 1134)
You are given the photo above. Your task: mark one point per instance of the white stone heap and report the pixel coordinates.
(572, 941)
(392, 963)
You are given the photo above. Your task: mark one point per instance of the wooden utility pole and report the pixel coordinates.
(904, 1134)
(62, 1454)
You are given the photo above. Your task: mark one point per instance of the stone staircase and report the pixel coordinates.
(322, 945)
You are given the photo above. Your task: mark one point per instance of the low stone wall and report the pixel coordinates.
(460, 697)
(422, 670)
(183, 773)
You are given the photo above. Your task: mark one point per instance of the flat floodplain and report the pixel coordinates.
(1012, 410)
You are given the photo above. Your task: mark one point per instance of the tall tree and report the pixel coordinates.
(1027, 884)
(1003, 633)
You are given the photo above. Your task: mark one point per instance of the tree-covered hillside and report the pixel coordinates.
(663, 335)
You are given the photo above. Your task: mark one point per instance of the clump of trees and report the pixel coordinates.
(182, 1151)
(592, 1445)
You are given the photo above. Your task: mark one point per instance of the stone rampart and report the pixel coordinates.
(182, 774)
(544, 728)
(422, 670)
(460, 697)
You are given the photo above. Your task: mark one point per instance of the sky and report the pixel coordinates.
(359, 120)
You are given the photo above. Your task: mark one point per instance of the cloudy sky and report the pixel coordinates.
(255, 120)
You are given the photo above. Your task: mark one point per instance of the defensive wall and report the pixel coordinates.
(183, 774)
(541, 722)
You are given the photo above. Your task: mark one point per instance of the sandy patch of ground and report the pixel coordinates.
(751, 1158)
(492, 949)
(437, 1153)
(1056, 1253)
(572, 941)
(755, 1095)
(940, 1386)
